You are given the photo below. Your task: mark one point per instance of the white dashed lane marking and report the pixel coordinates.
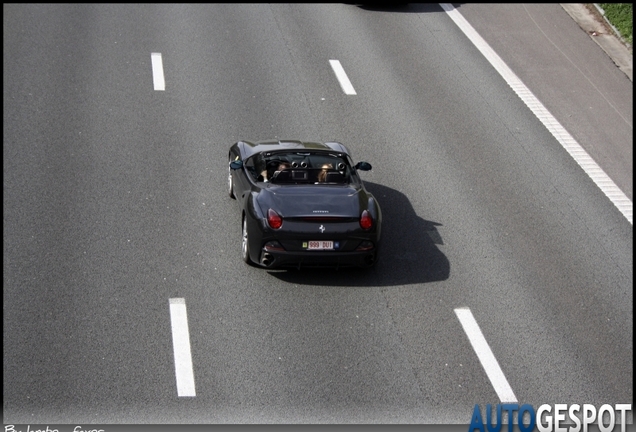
(157, 72)
(181, 345)
(346, 85)
(485, 355)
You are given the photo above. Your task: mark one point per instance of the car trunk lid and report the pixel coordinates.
(317, 202)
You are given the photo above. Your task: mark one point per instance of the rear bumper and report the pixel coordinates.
(281, 259)
(290, 252)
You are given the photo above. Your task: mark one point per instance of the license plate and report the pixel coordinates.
(318, 245)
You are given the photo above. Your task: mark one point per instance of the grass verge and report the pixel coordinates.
(620, 15)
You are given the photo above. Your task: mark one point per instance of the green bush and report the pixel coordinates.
(621, 17)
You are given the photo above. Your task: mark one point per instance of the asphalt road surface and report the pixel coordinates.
(122, 249)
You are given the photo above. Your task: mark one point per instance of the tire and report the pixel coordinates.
(230, 183)
(245, 246)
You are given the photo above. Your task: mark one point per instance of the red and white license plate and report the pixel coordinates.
(318, 245)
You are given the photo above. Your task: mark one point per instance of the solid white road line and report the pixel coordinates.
(591, 168)
(485, 355)
(342, 77)
(157, 72)
(181, 345)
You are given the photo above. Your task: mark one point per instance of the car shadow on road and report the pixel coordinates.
(409, 251)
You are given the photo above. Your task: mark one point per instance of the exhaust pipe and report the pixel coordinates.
(267, 259)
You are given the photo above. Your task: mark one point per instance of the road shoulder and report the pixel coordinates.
(592, 22)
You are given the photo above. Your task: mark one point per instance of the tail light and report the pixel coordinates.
(273, 219)
(366, 221)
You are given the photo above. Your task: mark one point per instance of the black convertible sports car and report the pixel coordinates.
(303, 205)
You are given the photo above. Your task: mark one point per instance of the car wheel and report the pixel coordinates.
(230, 182)
(245, 249)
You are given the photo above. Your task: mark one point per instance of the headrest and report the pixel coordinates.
(334, 177)
(281, 176)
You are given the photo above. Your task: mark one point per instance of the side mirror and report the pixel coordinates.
(363, 166)
(236, 164)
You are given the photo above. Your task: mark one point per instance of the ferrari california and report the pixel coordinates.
(303, 204)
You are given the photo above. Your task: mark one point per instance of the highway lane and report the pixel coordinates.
(115, 202)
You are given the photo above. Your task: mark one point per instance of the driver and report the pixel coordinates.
(281, 166)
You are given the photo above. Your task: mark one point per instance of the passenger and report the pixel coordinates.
(322, 175)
